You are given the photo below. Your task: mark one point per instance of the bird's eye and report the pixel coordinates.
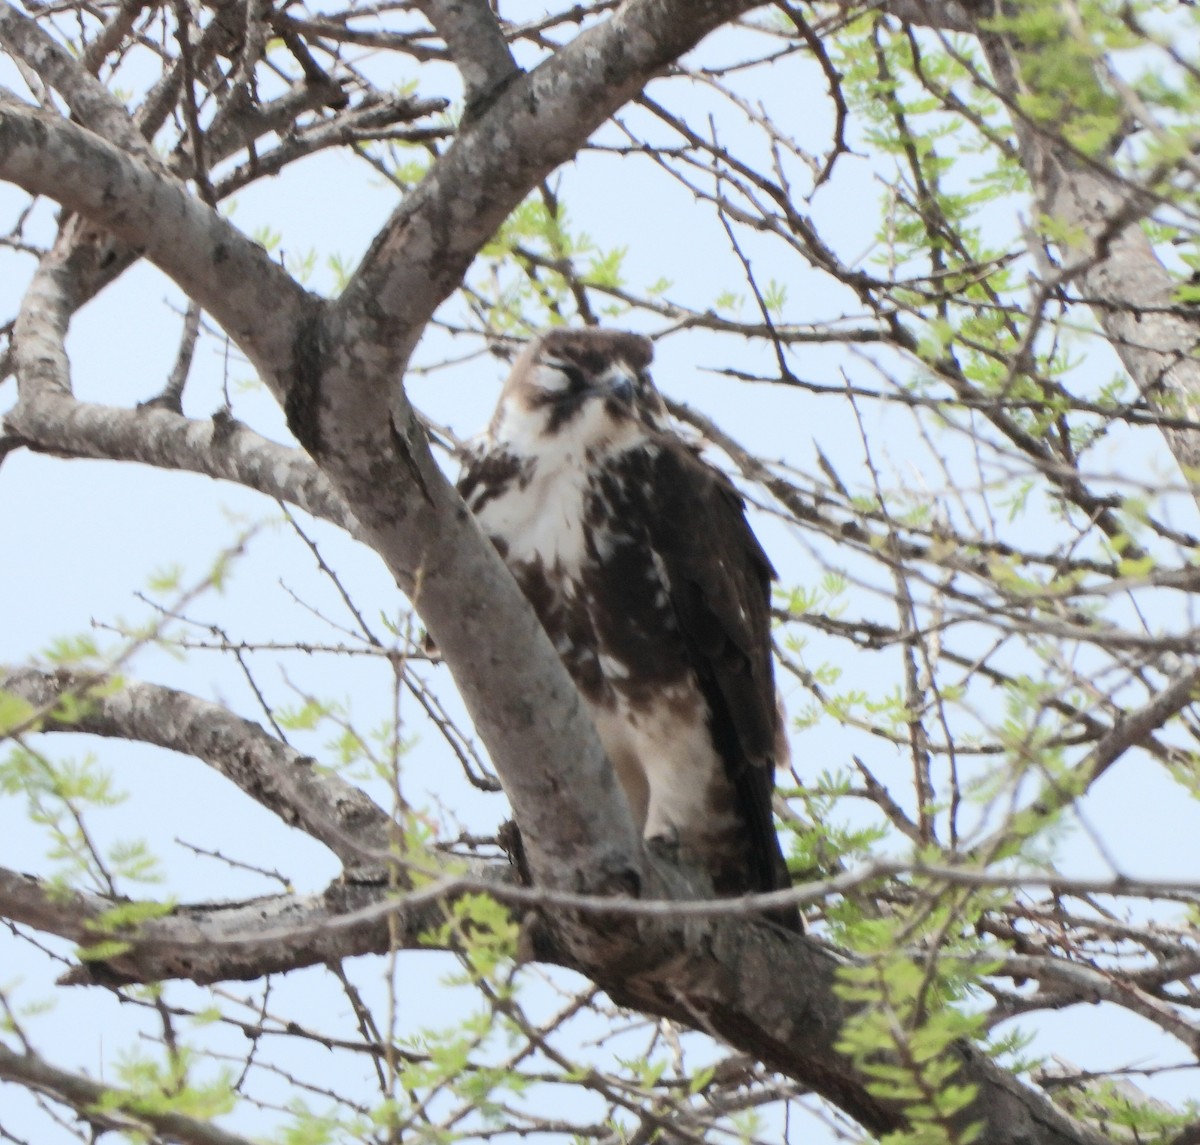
(557, 376)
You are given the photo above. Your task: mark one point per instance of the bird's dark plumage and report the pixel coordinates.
(637, 556)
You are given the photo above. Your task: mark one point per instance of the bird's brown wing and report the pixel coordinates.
(719, 582)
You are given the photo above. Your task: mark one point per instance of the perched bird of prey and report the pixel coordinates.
(638, 559)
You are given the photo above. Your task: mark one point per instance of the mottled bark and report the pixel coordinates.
(218, 447)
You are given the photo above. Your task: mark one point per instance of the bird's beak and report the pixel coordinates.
(622, 385)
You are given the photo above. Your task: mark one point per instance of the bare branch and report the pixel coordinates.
(106, 1107)
(282, 780)
(219, 447)
(1111, 257)
(89, 100)
(539, 122)
(234, 279)
(224, 942)
(477, 47)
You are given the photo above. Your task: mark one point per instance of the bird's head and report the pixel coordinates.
(593, 385)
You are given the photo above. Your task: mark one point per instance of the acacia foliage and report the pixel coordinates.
(975, 457)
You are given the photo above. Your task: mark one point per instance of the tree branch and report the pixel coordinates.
(476, 45)
(234, 279)
(106, 1107)
(220, 447)
(1130, 291)
(539, 122)
(280, 779)
(722, 977)
(228, 941)
(89, 100)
